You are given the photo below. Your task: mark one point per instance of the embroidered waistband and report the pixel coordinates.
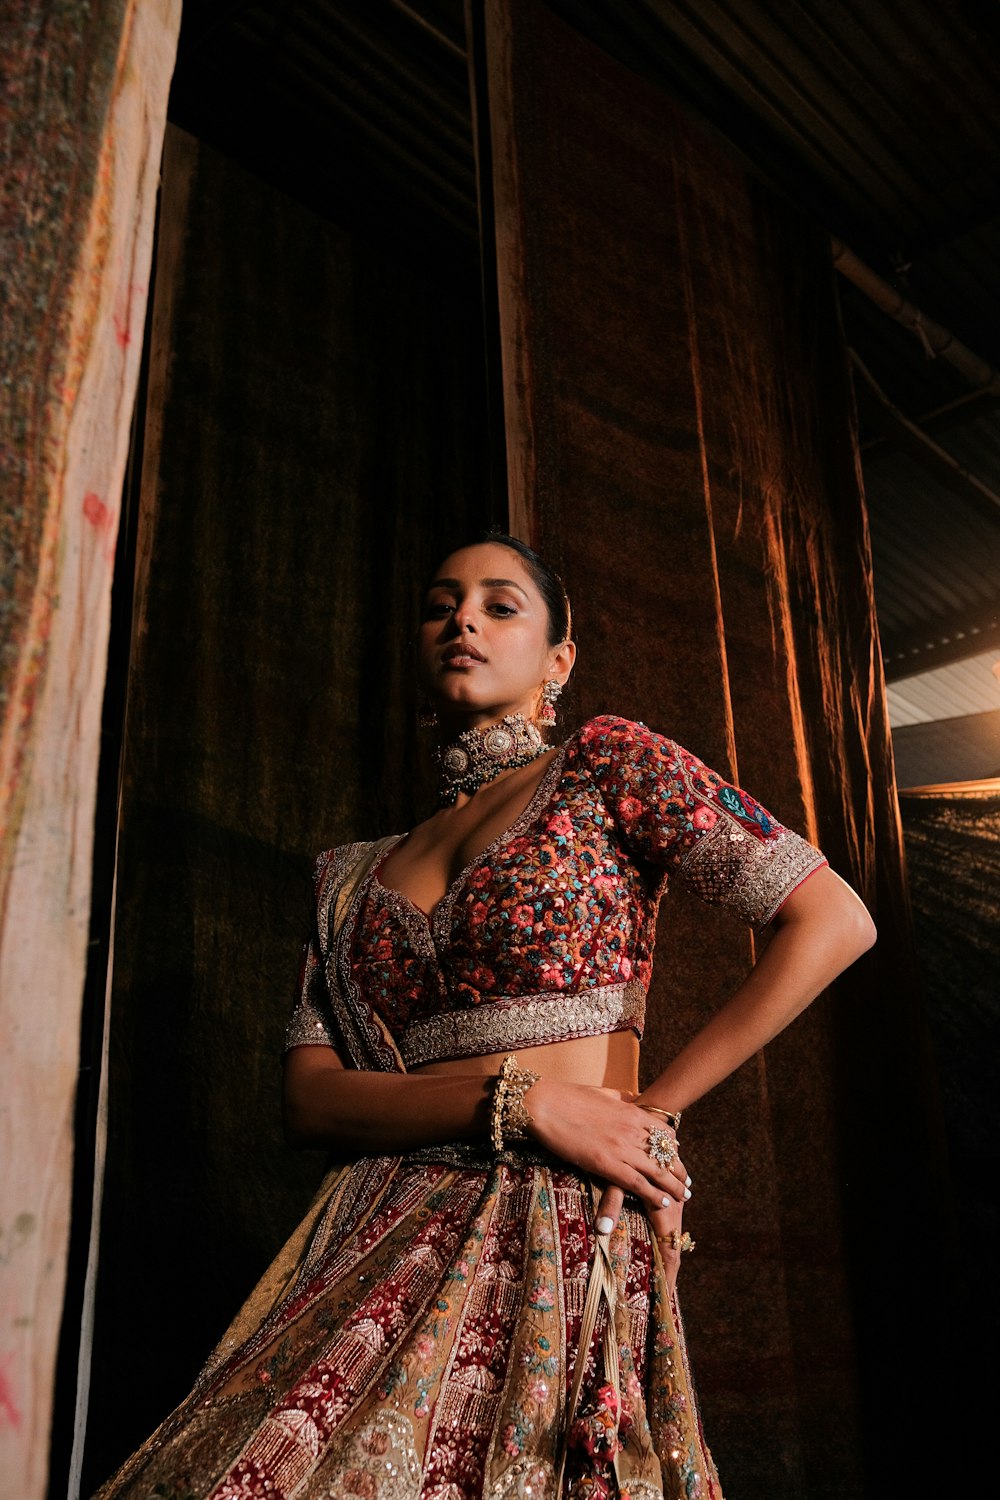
(480, 1156)
(504, 1024)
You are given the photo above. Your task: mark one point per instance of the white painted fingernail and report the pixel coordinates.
(687, 1194)
(667, 1200)
(605, 1224)
(687, 1181)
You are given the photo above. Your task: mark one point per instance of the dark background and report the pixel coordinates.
(321, 415)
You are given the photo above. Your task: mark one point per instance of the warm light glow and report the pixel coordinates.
(987, 786)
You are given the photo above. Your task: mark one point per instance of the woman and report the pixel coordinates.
(467, 1037)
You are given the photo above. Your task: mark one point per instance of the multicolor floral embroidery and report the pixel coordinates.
(563, 906)
(428, 1343)
(429, 1353)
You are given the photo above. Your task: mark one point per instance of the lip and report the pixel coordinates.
(460, 656)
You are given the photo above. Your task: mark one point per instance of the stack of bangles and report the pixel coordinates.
(509, 1121)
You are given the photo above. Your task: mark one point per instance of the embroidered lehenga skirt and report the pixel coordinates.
(418, 1337)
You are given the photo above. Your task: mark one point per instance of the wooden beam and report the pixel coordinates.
(945, 468)
(482, 139)
(953, 415)
(934, 337)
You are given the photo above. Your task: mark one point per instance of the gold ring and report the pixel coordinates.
(676, 1240)
(661, 1147)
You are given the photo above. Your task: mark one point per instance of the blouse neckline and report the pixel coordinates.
(438, 922)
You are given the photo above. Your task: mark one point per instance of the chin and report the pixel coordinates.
(464, 706)
(461, 694)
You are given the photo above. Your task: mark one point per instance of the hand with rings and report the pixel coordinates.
(665, 1218)
(605, 1134)
(665, 1223)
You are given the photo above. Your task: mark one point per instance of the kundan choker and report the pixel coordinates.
(479, 755)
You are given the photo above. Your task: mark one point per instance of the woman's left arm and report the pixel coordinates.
(820, 930)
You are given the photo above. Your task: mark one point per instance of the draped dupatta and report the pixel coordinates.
(342, 874)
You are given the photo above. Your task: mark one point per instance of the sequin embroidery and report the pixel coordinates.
(550, 932)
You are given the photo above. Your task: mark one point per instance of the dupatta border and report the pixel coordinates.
(366, 1038)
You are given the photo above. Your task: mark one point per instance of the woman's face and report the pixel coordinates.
(483, 648)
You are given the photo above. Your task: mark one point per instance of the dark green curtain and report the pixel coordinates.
(315, 432)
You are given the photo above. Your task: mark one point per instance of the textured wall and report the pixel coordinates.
(680, 439)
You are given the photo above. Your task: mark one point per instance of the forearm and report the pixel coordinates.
(356, 1113)
(825, 930)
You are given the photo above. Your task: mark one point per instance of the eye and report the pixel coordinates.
(502, 609)
(438, 609)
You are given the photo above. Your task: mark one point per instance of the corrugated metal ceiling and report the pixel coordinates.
(880, 120)
(968, 687)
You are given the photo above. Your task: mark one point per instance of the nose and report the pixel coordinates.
(464, 618)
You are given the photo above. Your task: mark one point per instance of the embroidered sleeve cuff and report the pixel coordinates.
(751, 877)
(307, 1028)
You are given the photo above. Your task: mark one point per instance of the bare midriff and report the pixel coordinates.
(610, 1062)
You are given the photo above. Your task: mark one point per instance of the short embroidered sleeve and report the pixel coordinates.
(686, 820)
(311, 1021)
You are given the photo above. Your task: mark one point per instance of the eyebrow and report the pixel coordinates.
(488, 583)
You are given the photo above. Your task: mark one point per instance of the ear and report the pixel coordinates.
(561, 661)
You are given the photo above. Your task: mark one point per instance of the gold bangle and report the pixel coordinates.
(676, 1240)
(508, 1114)
(672, 1118)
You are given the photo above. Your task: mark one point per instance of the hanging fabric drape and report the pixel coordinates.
(314, 436)
(680, 438)
(84, 111)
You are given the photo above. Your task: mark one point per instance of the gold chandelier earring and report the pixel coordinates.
(551, 691)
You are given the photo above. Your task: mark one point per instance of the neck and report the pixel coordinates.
(455, 721)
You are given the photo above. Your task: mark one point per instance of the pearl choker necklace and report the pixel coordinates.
(479, 755)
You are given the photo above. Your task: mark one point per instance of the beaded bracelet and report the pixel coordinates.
(673, 1119)
(508, 1115)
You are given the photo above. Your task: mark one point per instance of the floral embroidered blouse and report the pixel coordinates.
(547, 934)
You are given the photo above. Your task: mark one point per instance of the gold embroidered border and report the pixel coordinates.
(503, 1025)
(749, 875)
(308, 1028)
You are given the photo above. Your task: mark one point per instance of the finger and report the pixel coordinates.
(609, 1209)
(663, 1179)
(636, 1181)
(671, 1267)
(676, 1168)
(664, 1220)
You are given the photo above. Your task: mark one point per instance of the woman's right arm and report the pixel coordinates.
(355, 1113)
